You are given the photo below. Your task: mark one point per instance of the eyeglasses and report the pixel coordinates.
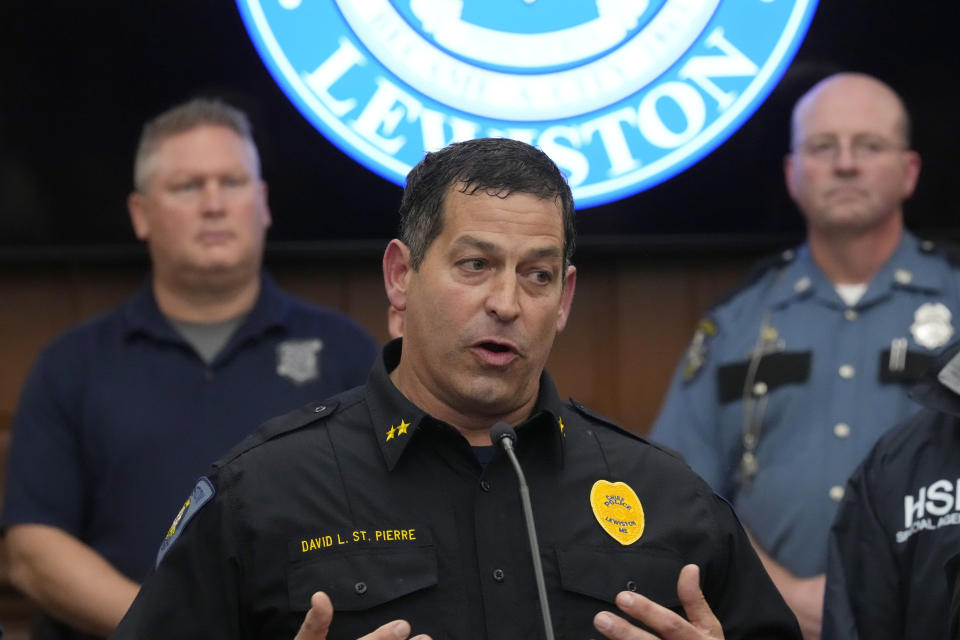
(862, 147)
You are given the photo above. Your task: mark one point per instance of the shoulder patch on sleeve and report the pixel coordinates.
(699, 349)
(200, 496)
(287, 423)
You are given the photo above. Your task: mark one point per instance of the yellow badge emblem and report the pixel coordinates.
(618, 510)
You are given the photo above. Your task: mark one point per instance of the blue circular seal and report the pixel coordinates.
(622, 94)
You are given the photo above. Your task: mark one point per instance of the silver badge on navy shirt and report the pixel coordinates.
(931, 326)
(299, 360)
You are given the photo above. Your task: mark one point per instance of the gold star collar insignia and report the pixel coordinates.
(563, 428)
(396, 432)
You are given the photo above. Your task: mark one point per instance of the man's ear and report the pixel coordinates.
(566, 297)
(266, 217)
(788, 170)
(396, 273)
(911, 160)
(138, 215)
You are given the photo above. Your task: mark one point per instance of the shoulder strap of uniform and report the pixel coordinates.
(760, 268)
(596, 417)
(593, 415)
(948, 250)
(696, 353)
(287, 423)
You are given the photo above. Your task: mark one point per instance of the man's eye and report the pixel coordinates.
(188, 186)
(543, 277)
(823, 147)
(869, 145)
(234, 181)
(474, 264)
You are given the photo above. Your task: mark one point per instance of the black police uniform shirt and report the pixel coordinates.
(899, 524)
(387, 510)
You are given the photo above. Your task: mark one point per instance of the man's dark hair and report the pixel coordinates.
(496, 166)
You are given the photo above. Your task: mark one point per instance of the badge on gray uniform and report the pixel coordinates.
(931, 326)
(299, 360)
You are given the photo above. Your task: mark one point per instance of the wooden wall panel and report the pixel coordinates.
(356, 288)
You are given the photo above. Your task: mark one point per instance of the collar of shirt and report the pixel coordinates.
(907, 268)
(939, 388)
(396, 421)
(144, 318)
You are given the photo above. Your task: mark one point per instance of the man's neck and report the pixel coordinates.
(855, 257)
(205, 303)
(475, 428)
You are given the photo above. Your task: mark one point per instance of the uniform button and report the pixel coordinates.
(760, 388)
(850, 314)
(836, 493)
(319, 408)
(927, 245)
(498, 575)
(903, 276)
(360, 588)
(802, 284)
(841, 430)
(631, 586)
(847, 371)
(485, 485)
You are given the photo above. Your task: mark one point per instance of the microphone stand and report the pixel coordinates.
(506, 437)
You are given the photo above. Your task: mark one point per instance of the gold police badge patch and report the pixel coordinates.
(618, 510)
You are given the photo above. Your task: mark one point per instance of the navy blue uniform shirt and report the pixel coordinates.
(119, 415)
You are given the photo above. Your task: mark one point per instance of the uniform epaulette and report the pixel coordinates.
(287, 423)
(591, 414)
(757, 271)
(948, 250)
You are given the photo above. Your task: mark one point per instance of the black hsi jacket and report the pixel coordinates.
(388, 511)
(899, 523)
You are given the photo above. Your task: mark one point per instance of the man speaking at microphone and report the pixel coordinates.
(391, 500)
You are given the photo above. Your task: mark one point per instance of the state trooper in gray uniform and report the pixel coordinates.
(789, 381)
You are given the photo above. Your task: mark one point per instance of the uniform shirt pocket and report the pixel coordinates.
(362, 580)
(591, 578)
(602, 573)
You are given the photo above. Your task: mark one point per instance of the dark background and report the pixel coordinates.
(78, 79)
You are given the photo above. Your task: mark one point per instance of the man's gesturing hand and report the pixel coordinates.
(701, 624)
(318, 619)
